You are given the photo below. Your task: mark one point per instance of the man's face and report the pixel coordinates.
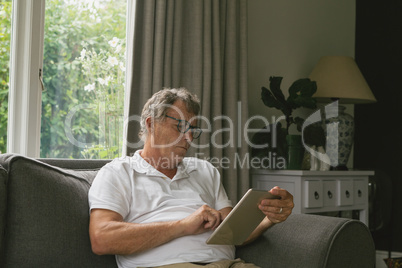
(170, 144)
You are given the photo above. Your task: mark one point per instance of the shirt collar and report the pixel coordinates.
(185, 168)
(138, 163)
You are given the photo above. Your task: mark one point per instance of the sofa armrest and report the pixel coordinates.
(312, 241)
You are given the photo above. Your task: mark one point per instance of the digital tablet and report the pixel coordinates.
(242, 220)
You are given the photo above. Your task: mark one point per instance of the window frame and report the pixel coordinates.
(26, 57)
(26, 63)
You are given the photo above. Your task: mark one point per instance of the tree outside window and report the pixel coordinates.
(84, 72)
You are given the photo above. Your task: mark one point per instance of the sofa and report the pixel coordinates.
(44, 218)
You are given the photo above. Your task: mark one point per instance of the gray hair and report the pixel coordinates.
(158, 105)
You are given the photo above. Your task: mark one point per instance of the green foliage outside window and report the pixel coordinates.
(84, 59)
(84, 63)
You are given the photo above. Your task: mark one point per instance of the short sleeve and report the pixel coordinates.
(111, 190)
(222, 200)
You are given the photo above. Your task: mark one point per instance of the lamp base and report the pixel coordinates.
(339, 132)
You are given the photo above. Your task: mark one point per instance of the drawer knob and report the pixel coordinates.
(329, 194)
(316, 195)
(359, 193)
(347, 194)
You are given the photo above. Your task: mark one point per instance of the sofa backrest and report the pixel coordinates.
(3, 205)
(47, 217)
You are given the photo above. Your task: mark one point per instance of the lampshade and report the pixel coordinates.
(339, 77)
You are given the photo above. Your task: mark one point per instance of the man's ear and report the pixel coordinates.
(149, 123)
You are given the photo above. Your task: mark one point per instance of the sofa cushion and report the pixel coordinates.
(3, 206)
(48, 216)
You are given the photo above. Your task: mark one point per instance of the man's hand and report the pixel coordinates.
(202, 220)
(277, 210)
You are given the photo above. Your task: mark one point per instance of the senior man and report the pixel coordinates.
(158, 207)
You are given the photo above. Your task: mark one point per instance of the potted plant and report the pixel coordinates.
(300, 95)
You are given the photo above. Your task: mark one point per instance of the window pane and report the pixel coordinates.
(84, 71)
(5, 35)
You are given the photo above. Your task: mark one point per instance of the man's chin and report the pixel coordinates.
(178, 158)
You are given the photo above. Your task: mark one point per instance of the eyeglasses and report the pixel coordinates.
(183, 126)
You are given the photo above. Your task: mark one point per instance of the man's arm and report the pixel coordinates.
(224, 212)
(111, 235)
(276, 211)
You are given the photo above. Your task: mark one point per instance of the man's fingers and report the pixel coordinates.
(213, 219)
(280, 192)
(277, 210)
(273, 209)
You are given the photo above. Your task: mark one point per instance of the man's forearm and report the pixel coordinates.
(261, 228)
(124, 238)
(111, 235)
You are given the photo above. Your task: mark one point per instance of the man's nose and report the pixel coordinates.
(188, 136)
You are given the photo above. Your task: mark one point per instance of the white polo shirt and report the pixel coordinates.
(133, 188)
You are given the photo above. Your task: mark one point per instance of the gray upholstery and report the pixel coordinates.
(46, 224)
(313, 241)
(48, 216)
(3, 206)
(75, 164)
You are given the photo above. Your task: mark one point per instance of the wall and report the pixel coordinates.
(378, 142)
(287, 38)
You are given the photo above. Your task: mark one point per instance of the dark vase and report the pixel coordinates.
(295, 151)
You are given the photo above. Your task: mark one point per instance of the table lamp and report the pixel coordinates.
(339, 80)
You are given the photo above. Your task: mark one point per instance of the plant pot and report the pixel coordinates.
(295, 151)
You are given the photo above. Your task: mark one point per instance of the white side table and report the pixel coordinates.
(319, 191)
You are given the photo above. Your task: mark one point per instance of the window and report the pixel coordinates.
(83, 76)
(5, 36)
(78, 52)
